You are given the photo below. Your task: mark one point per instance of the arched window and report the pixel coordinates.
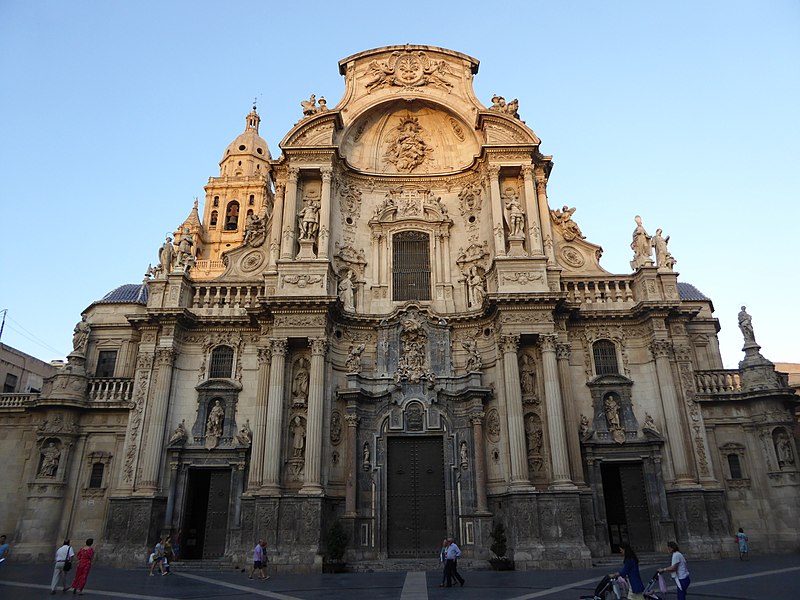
(216, 201)
(411, 277)
(221, 363)
(232, 217)
(605, 358)
(214, 217)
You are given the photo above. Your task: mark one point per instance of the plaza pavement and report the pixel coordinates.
(761, 578)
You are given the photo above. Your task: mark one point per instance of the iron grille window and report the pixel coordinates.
(106, 361)
(221, 362)
(96, 478)
(735, 466)
(411, 277)
(605, 358)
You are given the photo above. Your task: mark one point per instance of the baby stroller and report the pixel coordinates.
(610, 589)
(652, 588)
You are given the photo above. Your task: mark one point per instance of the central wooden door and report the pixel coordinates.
(627, 510)
(417, 521)
(206, 520)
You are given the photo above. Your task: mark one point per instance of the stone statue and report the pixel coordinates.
(583, 429)
(298, 437)
(514, 214)
(527, 377)
(353, 363)
(641, 245)
(346, 291)
(783, 448)
(309, 221)
(746, 325)
(254, 230)
(185, 250)
(245, 435)
(80, 335)
(463, 455)
(323, 105)
(664, 260)
(300, 383)
(612, 411)
(649, 423)
(534, 435)
(474, 361)
(563, 216)
(51, 456)
(365, 456)
(499, 105)
(309, 106)
(166, 256)
(215, 420)
(476, 288)
(179, 435)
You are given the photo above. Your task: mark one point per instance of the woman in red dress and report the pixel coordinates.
(85, 557)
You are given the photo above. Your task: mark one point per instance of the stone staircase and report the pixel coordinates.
(648, 561)
(206, 564)
(413, 564)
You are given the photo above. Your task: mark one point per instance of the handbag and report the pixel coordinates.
(68, 562)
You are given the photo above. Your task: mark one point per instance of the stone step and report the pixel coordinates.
(646, 561)
(413, 564)
(206, 564)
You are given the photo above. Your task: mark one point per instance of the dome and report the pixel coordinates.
(249, 143)
(130, 293)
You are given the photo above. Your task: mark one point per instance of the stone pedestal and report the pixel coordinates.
(521, 275)
(306, 250)
(133, 525)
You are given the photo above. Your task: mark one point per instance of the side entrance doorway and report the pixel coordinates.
(416, 517)
(627, 511)
(205, 522)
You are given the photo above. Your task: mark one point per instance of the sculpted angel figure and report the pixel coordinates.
(309, 106)
(563, 216)
(353, 363)
(474, 361)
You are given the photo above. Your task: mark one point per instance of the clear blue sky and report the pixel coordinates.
(114, 114)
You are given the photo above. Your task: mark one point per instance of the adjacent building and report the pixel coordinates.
(392, 326)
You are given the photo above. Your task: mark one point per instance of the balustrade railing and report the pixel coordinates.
(16, 400)
(598, 291)
(110, 389)
(717, 381)
(225, 295)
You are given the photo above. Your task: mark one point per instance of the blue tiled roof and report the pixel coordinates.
(688, 292)
(130, 293)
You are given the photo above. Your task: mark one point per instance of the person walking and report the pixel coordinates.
(630, 570)
(4, 549)
(451, 566)
(744, 548)
(85, 557)
(64, 556)
(678, 570)
(259, 559)
(443, 561)
(157, 558)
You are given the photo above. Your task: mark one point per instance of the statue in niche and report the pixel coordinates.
(527, 375)
(353, 363)
(406, 149)
(463, 455)
(611, 407)
(534, 435)
(245, 435)
(336, 428)
(649, 424)
(474, 361)
(664, 260)
(346, 294)
(413, 340)
(563, 216)
(515, 217)
(215, 420)
(746, 326)
(166, 256)
(641, 245)
(476, 288)
(300, 384)
(783, 448)
(365, 457)
(179, 435)
(298, 437)
(80, 335)
(309, 220)
(51, 456)
(186, 250)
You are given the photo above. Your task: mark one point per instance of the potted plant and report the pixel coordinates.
(499, 547)
(336, 543)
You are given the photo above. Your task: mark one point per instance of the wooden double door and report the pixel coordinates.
(205, 523)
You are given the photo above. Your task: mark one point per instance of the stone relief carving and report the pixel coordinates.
(469, 204)
(534, 440)
(245, 434)
(299, 320)
(312, 107)
(408, 69)
(406, 146)
(523, 277)
(349, 201)
(300, 379)
(475, 254)
(255, 232)
(473, 362)
(499, 105)
(493, 425)
(569, 228)
(412, 364)
(353, 362)
(336, 428)
(302, 280)
(572, 256)
(695, 416)
(214, 425)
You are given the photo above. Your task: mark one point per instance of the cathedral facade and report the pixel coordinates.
(388, 326)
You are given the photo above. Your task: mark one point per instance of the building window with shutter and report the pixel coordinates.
(411, 276)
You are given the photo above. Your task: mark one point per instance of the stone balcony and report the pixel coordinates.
(110, 389)
(17, 401)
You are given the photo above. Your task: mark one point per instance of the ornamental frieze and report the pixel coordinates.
(409, 69)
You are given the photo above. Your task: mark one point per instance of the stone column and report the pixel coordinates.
(476, 419)
(156, 417)
(352, 465)
(316, 389)
(570, 415)
(534, 219)
(555, 413)
(448, 278)
(376, 258)
(325, 213)
(260, 421)
(272, 448)
(172, 486)
(497, 211)
(289, 228)
(516, 427)
(544, 215)
(277, 222)
(673, 423)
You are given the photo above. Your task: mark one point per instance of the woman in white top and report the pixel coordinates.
(679, 570)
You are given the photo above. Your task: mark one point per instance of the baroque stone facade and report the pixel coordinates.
(389, 326)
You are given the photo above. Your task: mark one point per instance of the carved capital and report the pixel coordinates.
(661, 348)
(318, 346)
(541, 185)
(527, 172)
(280, 189)
(279, 346)
(509, 343)
(144, 362)
(327, 174)
(293, 173)
(563, 351)
(165, 356)
(264, 356)
(494, 171)
(548, 342)
(351, 420)
(476, 418)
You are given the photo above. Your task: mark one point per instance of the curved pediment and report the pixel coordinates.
(500, 130)
(409, 138)
(315, 130)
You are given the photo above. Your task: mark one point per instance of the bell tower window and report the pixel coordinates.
(214, 217)
(232, 217)
(411, 266)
